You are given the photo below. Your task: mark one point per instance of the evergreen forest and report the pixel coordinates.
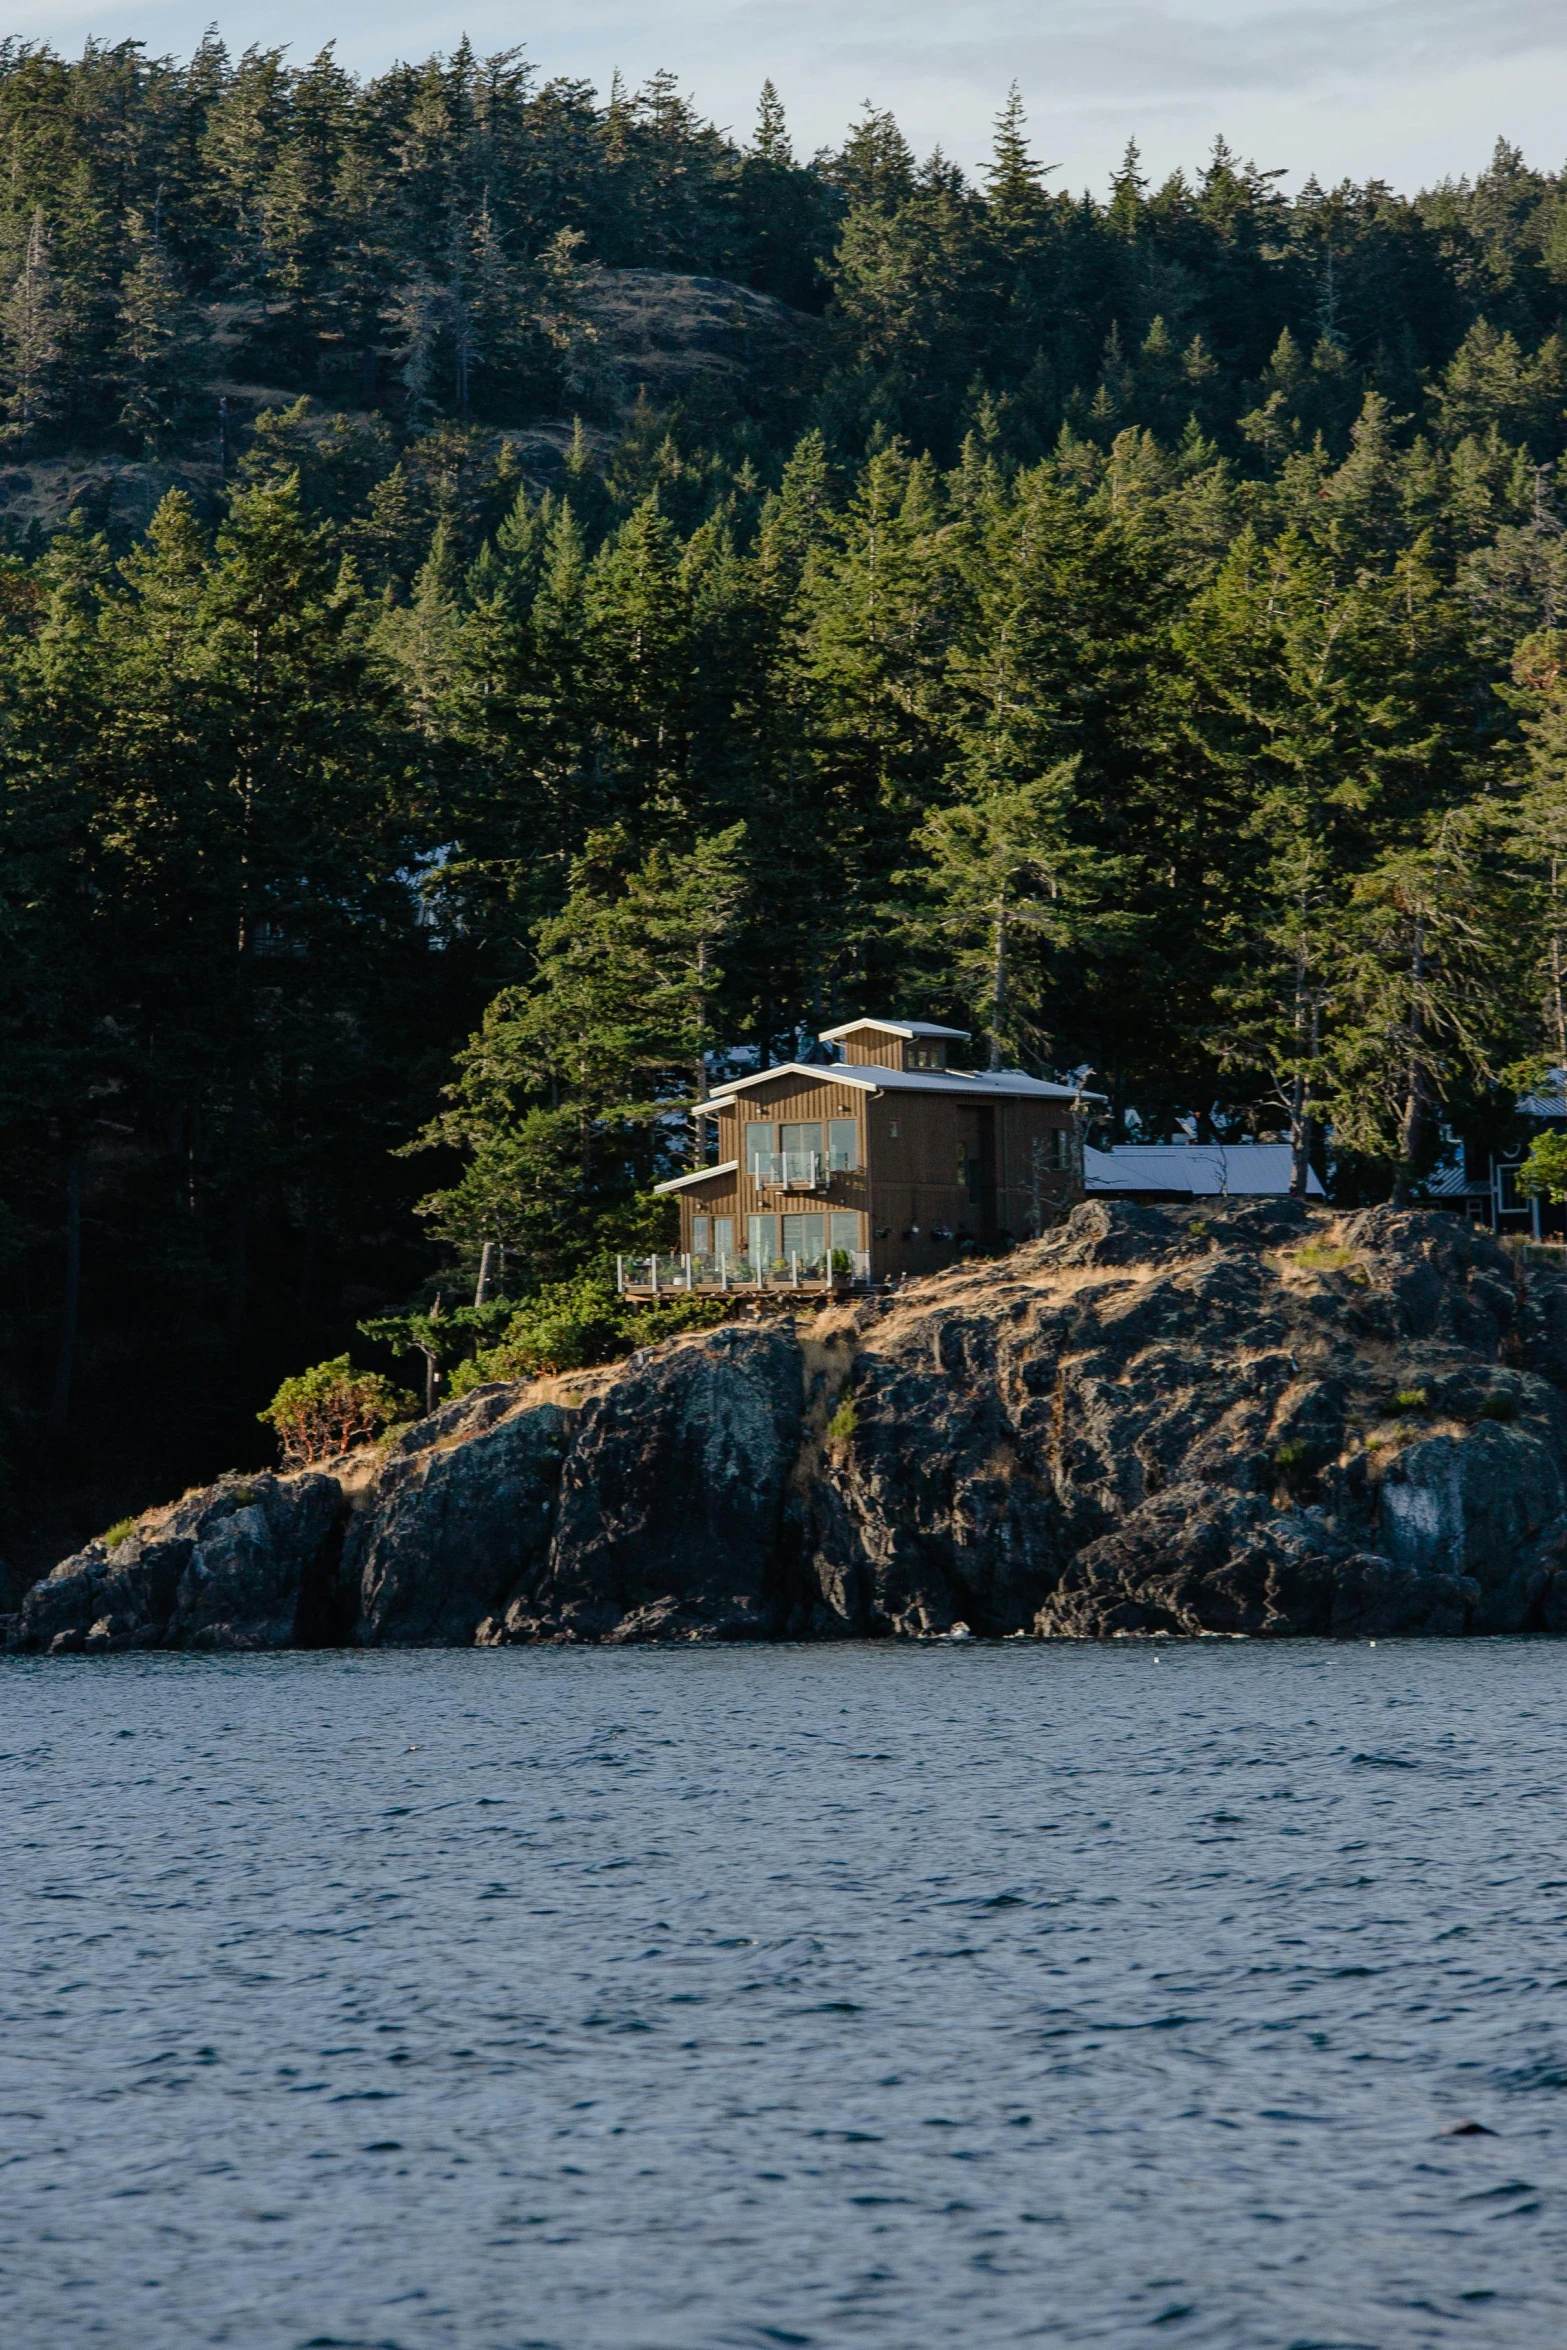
(515, 601)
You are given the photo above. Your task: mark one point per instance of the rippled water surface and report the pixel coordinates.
(667, 2000)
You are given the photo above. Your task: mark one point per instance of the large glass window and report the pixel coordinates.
(758, 1151)
(723, 1236)
(843, 1232)
(843, 1145)
(804, 1237)
(802, 1153)
(701, 1235)
(762, 1241)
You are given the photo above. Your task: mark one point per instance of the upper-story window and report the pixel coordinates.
(843, 1145)
(927, 1056)
(759, 1147)
(800, 1153)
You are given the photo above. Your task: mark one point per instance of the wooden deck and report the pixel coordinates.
(694, 1276)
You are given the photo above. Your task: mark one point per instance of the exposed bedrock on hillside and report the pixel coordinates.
(1263, 1420)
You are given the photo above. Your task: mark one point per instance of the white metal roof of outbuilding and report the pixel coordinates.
(1204, 1170)
(1548, 1099)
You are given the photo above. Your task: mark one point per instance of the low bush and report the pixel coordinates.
(1321, 1256)
(327, 1410)
(120, 1531)
(645, 1325)
(844, 1422)
(1412, 1399)
(1295, 1464)
(571, 1325)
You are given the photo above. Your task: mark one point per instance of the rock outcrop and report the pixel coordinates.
(458, 1519)
(1260, 1421)
(672, 1503)
(249, 1563)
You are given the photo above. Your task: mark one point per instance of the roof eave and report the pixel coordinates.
(697, 1175)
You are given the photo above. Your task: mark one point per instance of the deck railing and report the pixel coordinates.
(791, 1170)
(674, 1276)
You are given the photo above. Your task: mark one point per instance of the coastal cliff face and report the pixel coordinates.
(1265, 1420)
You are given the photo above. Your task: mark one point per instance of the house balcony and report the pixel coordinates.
(792, 1171)
(830, 1271)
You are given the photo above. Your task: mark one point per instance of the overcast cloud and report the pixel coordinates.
(1409, 90)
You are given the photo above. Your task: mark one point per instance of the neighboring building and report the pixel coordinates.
(886, 1162)
(1156, 1171)
(1482, 1182)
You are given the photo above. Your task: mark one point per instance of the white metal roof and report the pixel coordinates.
(907, 1028)
(1549, 1098)
(1207, 1170)
(698, 1175)
(993, 1084)
(1452, 1181)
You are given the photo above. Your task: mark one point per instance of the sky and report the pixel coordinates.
(1410, 91)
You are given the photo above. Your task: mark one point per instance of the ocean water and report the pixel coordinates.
(515, 2000)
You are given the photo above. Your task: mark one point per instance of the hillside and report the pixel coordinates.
(514, 603)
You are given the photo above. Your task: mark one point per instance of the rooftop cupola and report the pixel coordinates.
(895, 1044)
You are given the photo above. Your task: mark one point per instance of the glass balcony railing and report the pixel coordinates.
(672, 1275)
(790, 1170)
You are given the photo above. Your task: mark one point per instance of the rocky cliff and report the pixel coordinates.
(1266, 1421)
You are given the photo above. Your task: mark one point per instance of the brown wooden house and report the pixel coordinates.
(884, 1163)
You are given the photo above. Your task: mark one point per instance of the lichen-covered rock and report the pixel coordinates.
(1207, 1559)
(672, 1500)
(453, 1525)
(246, 1563)
(119, 1598)
(259, 1566)
(1490, 1505)
(912, 1535)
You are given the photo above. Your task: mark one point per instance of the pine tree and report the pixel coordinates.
(771, 143)
(564, 1100)
(1539, 824)
(159, 354)
(30, 338)
(1425, 996)
(1005, 872)
(1014, 182)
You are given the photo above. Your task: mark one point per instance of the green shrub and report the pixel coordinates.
(1324, 1256)
(327, 1410)
(566, 1327)
(1499, 1407)
(120, 1531)
(1412, 1399)
(1544, 1171)
(844, 1422)
(571, 1325)
(1295, 1462)
(646, 1325)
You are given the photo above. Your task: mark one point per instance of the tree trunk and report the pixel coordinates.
(239, 1210)
(1308, 1123)
(70, 1303)
(699, 1065)
(1413, 1119)
(1300, 1091)
(998, 980)
(1558, 1003)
